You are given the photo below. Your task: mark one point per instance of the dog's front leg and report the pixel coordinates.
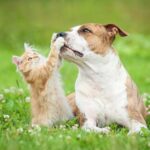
(90, 125)
(135, 127)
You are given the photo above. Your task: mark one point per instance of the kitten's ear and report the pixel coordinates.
(16, 60)
(27, 47)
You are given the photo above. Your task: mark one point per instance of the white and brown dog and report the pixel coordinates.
(104, 91)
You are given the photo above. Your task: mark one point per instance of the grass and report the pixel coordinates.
(17, 134)
(34, 22)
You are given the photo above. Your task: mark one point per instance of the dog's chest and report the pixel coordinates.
(104, 96)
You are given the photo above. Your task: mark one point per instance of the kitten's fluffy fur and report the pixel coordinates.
(49, 104)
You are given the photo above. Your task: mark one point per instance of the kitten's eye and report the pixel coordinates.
(30, 58)
(86, 30)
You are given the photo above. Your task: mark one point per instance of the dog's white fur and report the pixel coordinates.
(100, 86)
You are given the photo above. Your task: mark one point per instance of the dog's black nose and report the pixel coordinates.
(61, 34)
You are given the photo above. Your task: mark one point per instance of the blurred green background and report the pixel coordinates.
(34, 21)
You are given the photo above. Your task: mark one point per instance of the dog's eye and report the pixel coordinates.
(86, 30)
(30, 58)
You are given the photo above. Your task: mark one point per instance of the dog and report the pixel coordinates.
(104, 91)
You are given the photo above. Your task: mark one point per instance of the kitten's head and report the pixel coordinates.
(28, 61)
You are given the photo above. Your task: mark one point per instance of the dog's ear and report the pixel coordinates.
(113, 29)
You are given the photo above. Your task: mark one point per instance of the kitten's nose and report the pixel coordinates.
(61, 34)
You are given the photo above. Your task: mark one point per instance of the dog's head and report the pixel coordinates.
(83, 41)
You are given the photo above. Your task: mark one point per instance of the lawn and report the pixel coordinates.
(34, 22)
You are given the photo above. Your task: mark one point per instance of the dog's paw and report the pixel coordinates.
(95, 129)
(59, 43)
(105, 130)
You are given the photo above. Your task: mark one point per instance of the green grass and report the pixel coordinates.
(17, 134)
(34, 22)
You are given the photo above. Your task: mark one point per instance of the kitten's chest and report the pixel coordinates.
(51, 89)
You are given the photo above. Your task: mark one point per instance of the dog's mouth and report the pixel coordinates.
(77, 53)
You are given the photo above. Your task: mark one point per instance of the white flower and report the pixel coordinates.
(1, 97)
(36, 127)
(62, 126)
(12, 89)
(68, 137)
(30, 131)
(34, 130)
(6, 91)
(145, 96)
(27, 99)
(75, 127)
(20, 91)
(79, 136)
(6, 116)
(20, 130)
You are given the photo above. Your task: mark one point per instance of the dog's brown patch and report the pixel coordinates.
(100, 37)
(136, 108)
(97, 39)
(76, 111)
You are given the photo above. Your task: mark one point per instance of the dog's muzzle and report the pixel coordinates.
(66, 47)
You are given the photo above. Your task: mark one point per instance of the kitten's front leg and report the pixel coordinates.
(56, 44)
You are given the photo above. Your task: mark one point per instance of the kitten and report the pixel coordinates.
(49, 104)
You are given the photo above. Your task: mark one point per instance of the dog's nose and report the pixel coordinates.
(61, 34)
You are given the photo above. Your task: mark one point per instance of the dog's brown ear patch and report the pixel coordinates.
(114, 29)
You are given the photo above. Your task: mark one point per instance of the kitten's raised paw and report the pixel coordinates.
(53, 37)
(59, 43)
